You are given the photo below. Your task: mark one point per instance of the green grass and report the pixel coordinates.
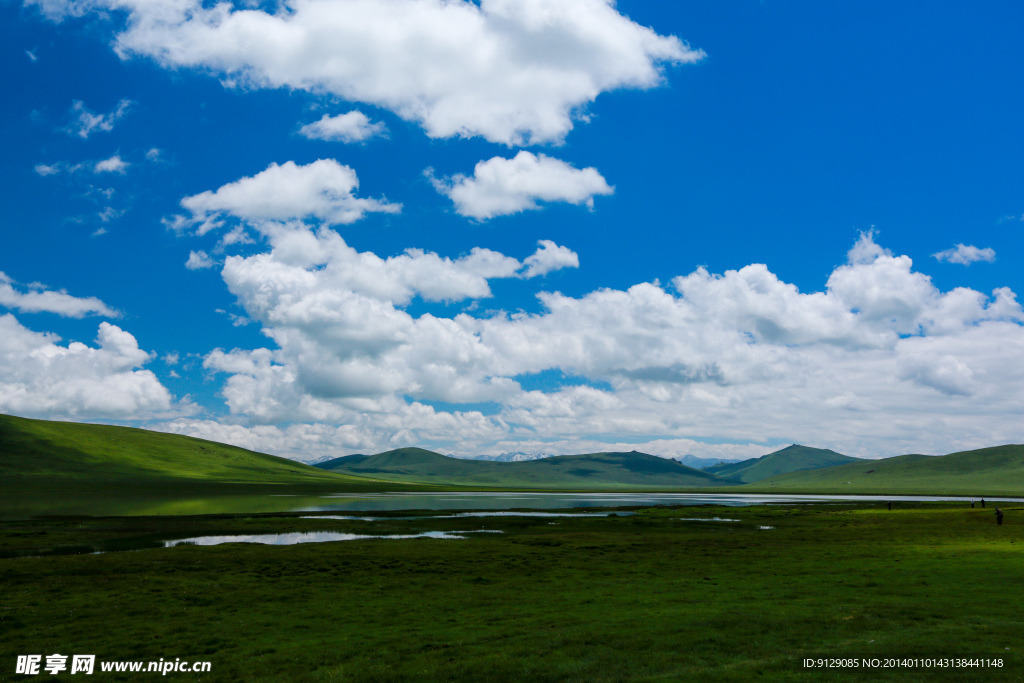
(789, 459)
(41, 455)
(644, 598)
(592, 471)
(987, 471)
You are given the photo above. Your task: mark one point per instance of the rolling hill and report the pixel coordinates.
(789, 459)
(40, 455)
(47, 455)
(986, 471)
(590, 471)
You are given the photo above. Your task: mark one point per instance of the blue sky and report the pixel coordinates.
(661, 152)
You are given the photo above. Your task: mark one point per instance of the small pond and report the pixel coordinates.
(316, 537)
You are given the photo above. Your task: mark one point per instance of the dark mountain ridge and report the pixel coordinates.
(590, 470)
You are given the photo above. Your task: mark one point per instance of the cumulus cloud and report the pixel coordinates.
(39, 299)
(39, 377)
(966, 254)
(322, 190)
(513, 72)
(943, 373)
(354, 126)
(198, 260)
(84, 122)
(550, 257)
(880, 355)
(325, 273)
(114, 164)
(499, 186)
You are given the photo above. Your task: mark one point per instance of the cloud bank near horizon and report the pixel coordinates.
(879, 354)
(710, 364)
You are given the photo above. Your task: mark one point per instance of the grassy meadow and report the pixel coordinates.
(651, 597)
(48, 456)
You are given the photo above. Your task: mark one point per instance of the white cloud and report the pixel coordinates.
(153, 154)
(966, 254)
(943, 373)
(198, 260)
(109, 214)
(237, 235)
(878, 360)
(39, 299)
(41, 378)
(510, 71)
(322, 190)
(84, 122)
(499, 186)
(550, 257)
(318, 267)
(114, 164)
(351, 127)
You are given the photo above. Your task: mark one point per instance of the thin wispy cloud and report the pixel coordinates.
(41, 299)
(966, 254)
(85, 123)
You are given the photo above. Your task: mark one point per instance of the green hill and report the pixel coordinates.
(987, 471)
(789, 459)
(590, 471)
(45, 455)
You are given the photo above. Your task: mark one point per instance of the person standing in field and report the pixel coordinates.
(972, 504)
(982, 502)
(999, 517)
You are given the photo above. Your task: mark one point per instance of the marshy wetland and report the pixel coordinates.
(655, 595)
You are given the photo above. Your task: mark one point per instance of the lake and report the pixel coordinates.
(20, 506)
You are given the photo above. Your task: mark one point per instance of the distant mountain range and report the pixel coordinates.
(700, 463)
(589, 470)
(593, 470)
(317, 461)
(516, 456)
(37, 455)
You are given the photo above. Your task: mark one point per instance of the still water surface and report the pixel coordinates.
(18, 506)
(535, 500)
(316, 537)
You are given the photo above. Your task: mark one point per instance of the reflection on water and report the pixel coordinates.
(482, 514)
(20, 506)
(316, 537)
(706, 519)
(485, 500)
